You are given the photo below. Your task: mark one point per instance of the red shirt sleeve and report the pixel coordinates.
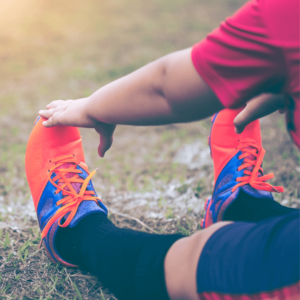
(240, 60)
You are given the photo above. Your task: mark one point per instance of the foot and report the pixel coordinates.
(59, 181)
(237, 165)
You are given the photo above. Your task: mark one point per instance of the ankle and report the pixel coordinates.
(251, 209)
(72, 242)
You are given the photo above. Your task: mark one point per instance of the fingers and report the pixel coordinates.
(55, 108)
(54, 120)
(258, 108)
(245, 117)
(55, 103)
(47, 113)
(52, 115)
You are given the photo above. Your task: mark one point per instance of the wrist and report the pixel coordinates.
(89, 109)
(96, 108)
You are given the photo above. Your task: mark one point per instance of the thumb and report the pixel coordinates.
(106, 137)
(105, 144)
(245, 117)
(258, 108)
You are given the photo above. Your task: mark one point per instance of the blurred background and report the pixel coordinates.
(161, 175)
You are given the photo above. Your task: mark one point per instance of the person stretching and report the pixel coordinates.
(249, 248)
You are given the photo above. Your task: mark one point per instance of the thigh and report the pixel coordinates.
(252, 261)
(237, 261)
(181, 263)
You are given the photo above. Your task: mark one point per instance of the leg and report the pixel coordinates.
(181, 263)
(240, 261)
(234, 260)
(74, 224)
(131, 263)
(75, 230)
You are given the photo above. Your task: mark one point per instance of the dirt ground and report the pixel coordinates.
(153, 178)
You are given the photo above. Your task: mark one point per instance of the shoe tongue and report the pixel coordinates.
(250, 157)
(249, 189)
(76, 185)
(86, 207)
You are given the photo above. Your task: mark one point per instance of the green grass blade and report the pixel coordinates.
(6, 242)
(77, 290)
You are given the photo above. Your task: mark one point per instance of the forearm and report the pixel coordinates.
(168, 90)
(135, 99)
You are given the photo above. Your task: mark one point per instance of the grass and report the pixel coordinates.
(66, 50)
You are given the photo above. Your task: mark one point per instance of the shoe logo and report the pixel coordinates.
(37, 119)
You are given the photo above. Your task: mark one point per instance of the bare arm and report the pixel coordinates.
(168, 90)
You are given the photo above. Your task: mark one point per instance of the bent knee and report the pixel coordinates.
(182, 260)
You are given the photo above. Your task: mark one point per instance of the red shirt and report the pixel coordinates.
(255, 51)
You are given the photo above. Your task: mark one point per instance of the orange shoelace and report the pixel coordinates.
(248, 148)
(71, 199)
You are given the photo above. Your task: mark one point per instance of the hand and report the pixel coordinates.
(258, 108)
(68, 113)
(73, 113)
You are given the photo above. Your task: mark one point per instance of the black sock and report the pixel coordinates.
(129, 263)
(250, 209)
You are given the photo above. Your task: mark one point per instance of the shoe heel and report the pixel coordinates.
(202, 223)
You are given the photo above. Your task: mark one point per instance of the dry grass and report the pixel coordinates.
(59, 50)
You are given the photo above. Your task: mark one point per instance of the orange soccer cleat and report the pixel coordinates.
(59, 181)
(237, 164)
